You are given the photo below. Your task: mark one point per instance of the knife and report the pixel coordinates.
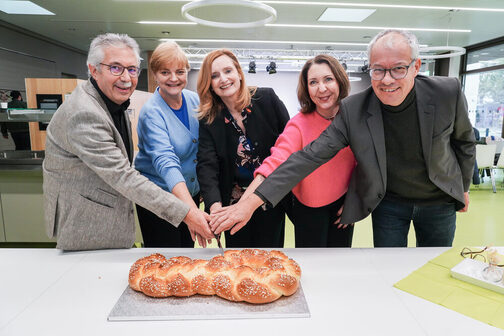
(217, 237)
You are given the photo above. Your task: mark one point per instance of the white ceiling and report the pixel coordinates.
(77, 21)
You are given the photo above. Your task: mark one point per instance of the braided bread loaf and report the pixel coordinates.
(250, 275)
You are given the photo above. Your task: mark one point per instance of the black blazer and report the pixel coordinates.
(218, 143)
(446, 134)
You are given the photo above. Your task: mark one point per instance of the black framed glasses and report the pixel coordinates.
(398, 72)
(117, 70)
(478, 254)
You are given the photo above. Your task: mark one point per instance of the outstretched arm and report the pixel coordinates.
(196, 220)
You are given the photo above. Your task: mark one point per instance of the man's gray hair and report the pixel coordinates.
(410, 38)
(101, 42)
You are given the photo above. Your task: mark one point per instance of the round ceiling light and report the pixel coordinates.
(272, 14)
(454, 51)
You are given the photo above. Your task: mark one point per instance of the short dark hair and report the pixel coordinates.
(307, 105)
(15, 94)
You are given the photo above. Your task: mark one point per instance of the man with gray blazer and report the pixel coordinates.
(89, 183)
(414, 146)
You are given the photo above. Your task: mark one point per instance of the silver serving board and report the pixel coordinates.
(135, 306)
(469, 270)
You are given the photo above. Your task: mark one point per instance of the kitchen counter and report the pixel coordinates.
(349, 292)
(22, 206)
(21, 160)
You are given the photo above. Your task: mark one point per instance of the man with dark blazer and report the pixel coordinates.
(89, 183)
(414, 146)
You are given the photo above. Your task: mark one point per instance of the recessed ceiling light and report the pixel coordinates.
(22, 7)
(345, 14)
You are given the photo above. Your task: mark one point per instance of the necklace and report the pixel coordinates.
(325, 117)
(333, 113)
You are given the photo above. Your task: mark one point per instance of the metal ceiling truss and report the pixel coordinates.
(285, 58)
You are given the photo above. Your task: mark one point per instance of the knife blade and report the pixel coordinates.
(217, 237)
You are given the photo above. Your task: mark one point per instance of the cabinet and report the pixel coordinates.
(22, 208)
(22, 205)
(2, 229)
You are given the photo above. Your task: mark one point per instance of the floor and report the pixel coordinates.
(482, 225)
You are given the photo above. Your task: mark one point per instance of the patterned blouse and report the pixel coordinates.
(246, 160)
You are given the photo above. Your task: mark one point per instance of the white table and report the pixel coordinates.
(349, 292)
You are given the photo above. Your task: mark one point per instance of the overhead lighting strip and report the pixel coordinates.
(351, 4)
(322, 26)
(264, 41)
(168, 22)
(22, 7)
(366, 27)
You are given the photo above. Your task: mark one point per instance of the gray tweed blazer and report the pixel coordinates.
(89, 184)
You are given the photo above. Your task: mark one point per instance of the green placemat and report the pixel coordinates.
(434, 283)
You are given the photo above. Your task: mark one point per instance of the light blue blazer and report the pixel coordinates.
(167, 149)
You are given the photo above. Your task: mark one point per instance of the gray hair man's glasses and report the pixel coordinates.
(398, 72)
(117, 70)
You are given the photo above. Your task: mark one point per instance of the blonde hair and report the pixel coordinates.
(167, 53)
(210, 103)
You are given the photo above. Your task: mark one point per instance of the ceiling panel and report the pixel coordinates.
(76, 22)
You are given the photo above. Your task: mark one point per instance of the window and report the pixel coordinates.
(483, 78)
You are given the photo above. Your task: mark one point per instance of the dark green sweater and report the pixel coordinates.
(407, 177)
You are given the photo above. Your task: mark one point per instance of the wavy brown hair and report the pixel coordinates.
(210, 103)
(307, 105)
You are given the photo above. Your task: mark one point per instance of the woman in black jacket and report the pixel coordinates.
(238, 126)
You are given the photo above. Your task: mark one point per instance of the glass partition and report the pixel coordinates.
(485, 98)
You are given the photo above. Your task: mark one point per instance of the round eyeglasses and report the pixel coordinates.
(117, 70)
(398, 72)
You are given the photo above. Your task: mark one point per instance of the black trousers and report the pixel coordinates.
(314, 227)
(157, 232)
(264, 229)
(21, 140)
